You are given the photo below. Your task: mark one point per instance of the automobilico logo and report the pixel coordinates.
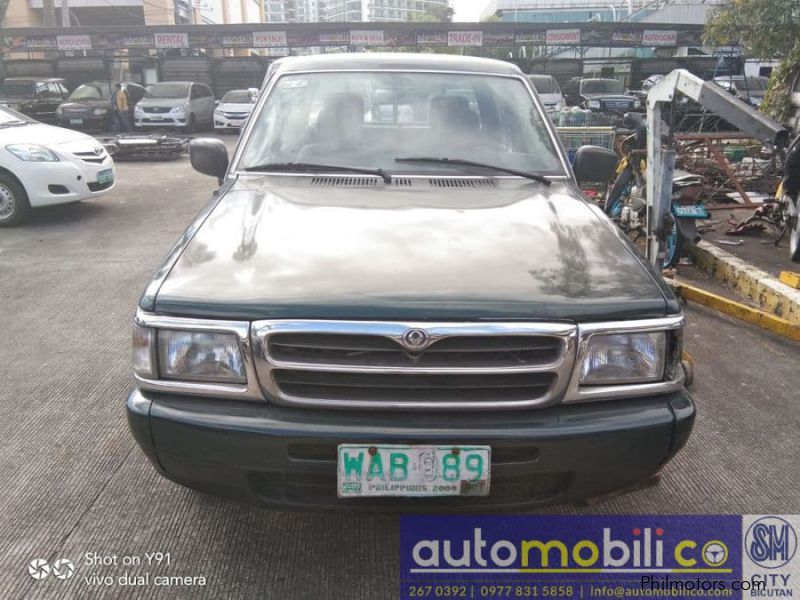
(771, 542)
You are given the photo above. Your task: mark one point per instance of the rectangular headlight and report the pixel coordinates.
(200, 356)
(624, 358)
(143, 364)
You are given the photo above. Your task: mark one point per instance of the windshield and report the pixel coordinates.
(16, 89)
(91, 91)
(12, 117)
(601, 86)
(545, 85)
(169, 90)
(238, 97)
(368, 120)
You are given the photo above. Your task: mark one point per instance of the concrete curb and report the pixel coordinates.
(737, 310)
(774, 298)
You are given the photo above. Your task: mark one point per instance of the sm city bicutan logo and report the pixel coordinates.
(770, 542)
(639, 550)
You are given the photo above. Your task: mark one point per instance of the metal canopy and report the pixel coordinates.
(378, 35)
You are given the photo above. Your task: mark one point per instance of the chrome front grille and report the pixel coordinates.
(376, 351)
(618, 104)
(92, 157)
(376, 365)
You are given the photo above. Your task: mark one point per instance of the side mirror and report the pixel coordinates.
(209, 156)
(594, 164)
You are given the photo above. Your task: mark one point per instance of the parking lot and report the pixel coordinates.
(77, 484)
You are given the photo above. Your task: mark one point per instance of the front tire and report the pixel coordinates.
(14, 205)
(674, 246)
(794, 228)
(617, 194)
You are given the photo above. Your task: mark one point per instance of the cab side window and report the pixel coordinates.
(53, 91)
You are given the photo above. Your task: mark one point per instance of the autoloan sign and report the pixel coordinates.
(660, 37)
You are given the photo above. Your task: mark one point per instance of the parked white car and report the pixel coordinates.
(184, 104)
(41, 165)
(234, 109)
(549, 91)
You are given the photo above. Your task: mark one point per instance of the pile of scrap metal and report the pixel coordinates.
(735, 168)
(145, 147)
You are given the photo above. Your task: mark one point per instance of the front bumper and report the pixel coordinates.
(223, 122)
(65, 181)
(90, 123)
(287, 457)
(161, 120)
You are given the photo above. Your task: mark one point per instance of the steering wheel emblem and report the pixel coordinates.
(416, 339)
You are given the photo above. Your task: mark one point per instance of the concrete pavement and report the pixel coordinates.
(74, 482)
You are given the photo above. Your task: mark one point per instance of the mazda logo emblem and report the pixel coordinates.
(416, 339)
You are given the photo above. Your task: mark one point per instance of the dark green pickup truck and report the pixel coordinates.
(400, 298)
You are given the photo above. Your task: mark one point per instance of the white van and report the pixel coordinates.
(549, 91)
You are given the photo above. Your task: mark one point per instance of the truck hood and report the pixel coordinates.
(236, 107)
(15, 99)
(162, 102)
(610, 97)
(50, 136)
(277, 248)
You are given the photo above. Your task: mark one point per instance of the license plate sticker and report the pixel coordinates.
(76, 121)
(401, 470)
(696, 211)
(105, 176)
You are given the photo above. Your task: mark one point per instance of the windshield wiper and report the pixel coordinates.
(304, 167)
(469, 163)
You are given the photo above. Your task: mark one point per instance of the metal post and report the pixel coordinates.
(49, 13)
(657, 169)
(65, 13)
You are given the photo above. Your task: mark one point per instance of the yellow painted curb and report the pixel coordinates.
(770, 294)
(790, 279)
(738, 310)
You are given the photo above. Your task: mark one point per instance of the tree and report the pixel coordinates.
(768, 29)
(435, 14)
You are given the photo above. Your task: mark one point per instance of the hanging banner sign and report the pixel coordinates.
(563, 37)
(368, 37)
(270, 39)
(465, 38)
(334, 37)
(432, 38)
(171, 40)
(659, 37)
(74, 42)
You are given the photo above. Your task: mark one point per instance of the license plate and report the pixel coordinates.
(157, 117)
(399, 470)
(105, 176)
(696, 212)
(76, 121)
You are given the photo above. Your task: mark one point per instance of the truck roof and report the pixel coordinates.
(378, 61)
